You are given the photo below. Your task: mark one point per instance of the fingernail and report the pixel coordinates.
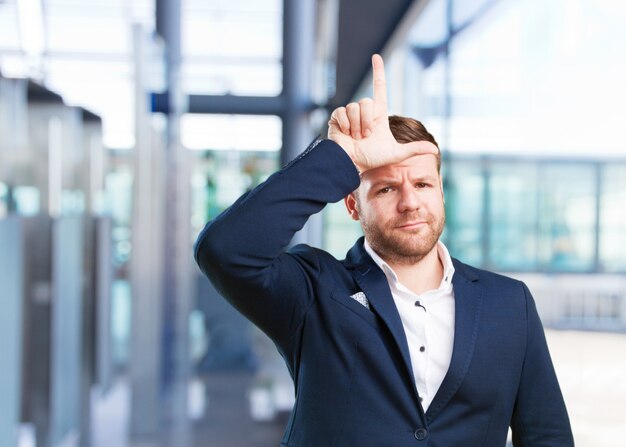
(367, 133)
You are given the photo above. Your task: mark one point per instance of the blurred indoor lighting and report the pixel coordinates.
(32, 32)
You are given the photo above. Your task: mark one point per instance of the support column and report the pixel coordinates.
(145, 360)
(298, 58)
(177, 265)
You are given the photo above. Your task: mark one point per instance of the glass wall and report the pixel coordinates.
(218, 57)
(567, 217)
(220, 177)
(612, 234)
(535, 215)
(513, 212)
(528, 215)
(464, 189)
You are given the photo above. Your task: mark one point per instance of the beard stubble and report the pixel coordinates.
(404, 247)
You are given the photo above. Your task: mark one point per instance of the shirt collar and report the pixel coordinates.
(442, 252)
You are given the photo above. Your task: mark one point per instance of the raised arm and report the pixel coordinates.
(242, 250)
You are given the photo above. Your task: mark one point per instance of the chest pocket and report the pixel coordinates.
(355, 316)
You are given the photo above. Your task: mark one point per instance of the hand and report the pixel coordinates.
(362, 129)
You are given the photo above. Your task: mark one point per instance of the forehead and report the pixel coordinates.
(418, 166)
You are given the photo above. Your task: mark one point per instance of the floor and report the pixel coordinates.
(227, 421)
(591, 368)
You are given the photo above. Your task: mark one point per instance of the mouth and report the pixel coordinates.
(411, 225)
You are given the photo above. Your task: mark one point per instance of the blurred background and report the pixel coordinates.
(126, 125)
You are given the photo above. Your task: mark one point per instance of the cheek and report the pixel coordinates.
(435, 205)
(385, 208)
(441, 209)
(375, 214)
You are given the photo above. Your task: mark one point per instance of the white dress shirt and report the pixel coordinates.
(428, 321)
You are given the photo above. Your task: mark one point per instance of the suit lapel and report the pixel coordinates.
(373, 283)
(468, 297)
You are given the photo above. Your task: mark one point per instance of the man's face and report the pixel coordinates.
(400, 208)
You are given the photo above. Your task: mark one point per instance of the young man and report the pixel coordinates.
(398, 344)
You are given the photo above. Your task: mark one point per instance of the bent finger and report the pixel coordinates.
(354, 115)
(340, 116)
(367, 116)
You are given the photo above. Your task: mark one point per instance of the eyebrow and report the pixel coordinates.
(426, 178)
(393, 181)
(384, 181)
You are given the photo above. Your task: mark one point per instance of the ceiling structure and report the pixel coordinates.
(364, 27)
(73, 65)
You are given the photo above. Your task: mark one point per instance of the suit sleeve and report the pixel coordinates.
(540, 418)
(242, 250)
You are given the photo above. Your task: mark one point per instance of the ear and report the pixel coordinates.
(350, 202)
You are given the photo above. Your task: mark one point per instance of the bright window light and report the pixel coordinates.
(30, 17)
(231, 132)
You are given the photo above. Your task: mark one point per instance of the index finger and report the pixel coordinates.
(380, 86)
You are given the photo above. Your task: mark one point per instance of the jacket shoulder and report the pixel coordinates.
(486, 276)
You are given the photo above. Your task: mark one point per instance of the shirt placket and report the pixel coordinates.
(414, 320)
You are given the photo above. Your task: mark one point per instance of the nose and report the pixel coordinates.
(409, 199)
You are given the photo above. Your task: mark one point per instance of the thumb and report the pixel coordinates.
(418, 148)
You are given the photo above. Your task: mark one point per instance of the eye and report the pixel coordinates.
(385, 190)
(422, 185)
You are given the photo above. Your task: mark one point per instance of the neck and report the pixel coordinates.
(422, 275)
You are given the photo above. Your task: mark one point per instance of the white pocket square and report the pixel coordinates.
(360, 298)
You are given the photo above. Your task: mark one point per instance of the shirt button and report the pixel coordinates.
(420, 434)
(422, 348)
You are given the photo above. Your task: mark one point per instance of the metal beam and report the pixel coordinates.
(228, 104)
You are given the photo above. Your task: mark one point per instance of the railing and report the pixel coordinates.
(582, 302)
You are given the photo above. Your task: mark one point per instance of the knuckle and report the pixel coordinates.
(337, 112)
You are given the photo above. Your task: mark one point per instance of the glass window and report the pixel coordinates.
(249, 77)
(27, 200)
(231, 132)
(88, 57)
(340, 231)
(119, 203)
(567, 217)
(220, 177)
(516, 78)
(513, 190)
(9, 31)
(613, 219)
(4, 200)
(218, 57)
(113, 100)
(464, 184)
(431, 29)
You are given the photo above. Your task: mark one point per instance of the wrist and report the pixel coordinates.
(357, 165)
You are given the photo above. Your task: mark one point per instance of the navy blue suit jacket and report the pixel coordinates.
(350, 365)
